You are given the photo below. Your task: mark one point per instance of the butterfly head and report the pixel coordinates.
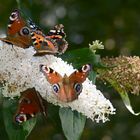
(67, 93)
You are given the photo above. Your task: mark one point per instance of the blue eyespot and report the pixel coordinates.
(78, 88)
(25, 31)
(56, 88)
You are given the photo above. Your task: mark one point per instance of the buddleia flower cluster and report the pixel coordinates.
(20, 70)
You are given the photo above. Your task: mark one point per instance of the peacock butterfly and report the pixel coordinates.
(18, 33)
(30, 103)
(52, 43)
(66, 88)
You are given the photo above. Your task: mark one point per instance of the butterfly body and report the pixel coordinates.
(17, 31)
(30, 103)
(66, 88)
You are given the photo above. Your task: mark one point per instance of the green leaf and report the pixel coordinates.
(15, 131)
(79, 57)
(72, 123)
(82, 56)
(124, 96)
(127, 103)
(92, 76)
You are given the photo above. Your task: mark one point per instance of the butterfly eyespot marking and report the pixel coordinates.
(20, 118)
(44, 69)
(14, 16)
(25, 31)
(78, 88)
(86, 68)
(55, 88)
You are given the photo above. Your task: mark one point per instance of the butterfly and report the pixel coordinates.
(18, 33)
(30, 103)
(66, 88)
(59, 36)
(52, 43)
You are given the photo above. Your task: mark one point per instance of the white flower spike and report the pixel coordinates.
(19, 70)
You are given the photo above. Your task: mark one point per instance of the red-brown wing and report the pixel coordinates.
(57, 32)
(15, 23)
(20, 41)
(17, 32)
(58, 35)
(81, 74)
(51, 75)
(30, 103)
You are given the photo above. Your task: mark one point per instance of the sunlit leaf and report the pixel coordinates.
(72, 123)
(127, 103)
(15, 131)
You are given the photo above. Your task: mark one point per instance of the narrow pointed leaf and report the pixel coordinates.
(127, 103)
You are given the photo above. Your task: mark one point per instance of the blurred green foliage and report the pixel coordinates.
(117, 25)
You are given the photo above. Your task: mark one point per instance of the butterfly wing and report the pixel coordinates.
(56, 81)
(74, 87)
(66, 88)
(52, 76)
(43, 104)
(30, 103)
(81, 74)
(33, 26)
(42, 44)
(58, 35)
(17, 31)
(57, 32)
